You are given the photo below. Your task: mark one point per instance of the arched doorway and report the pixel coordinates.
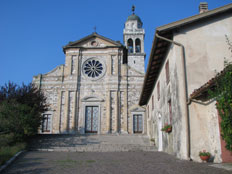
(160, 138)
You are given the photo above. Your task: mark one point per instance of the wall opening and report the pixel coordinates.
(130, 45)
(137, 46)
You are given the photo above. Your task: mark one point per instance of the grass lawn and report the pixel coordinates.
(8, 148)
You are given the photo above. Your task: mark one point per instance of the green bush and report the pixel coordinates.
(223, 95)
(6, 140)
(21, 109)
(222, 92)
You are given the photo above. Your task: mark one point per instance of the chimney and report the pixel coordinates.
(203, 7)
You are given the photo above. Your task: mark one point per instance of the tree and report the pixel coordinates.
(222, 92)
(223, 95)
(21, 109)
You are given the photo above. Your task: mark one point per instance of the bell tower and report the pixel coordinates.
(133, 37)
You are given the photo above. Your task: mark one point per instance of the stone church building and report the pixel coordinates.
(97, 89)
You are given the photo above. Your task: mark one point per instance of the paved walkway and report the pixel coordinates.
(35, 162)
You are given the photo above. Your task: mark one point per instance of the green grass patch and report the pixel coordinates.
(90, 161)
(8, 148)
(73, 163)
(68, 162)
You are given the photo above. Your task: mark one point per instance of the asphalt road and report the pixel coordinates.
(35, 162)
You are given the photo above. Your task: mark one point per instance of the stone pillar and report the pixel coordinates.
(116, 66)
(125, 119)
(108, 113)
(109, 67)
(74, 113)
(58, 111)
(68, 64)
(77, 95)
(116, 111)
(65, 129)
(133, 45)
(76, 66)
(142, 45)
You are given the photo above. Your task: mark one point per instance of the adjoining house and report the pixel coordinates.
(184, 56)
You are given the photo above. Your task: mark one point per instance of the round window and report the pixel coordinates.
(94, 43)
(93, 68)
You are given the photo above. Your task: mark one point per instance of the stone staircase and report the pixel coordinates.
(91, 143)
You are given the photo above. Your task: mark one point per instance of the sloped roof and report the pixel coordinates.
(73, 44)
(195, 18)
(160, 48)
(208, 85)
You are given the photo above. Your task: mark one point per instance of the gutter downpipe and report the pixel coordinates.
(186, 92)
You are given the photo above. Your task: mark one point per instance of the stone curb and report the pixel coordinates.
(3, 167)
(92, 149)
(226, 166)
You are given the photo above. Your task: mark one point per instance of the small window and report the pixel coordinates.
(170, 111)
(158, 90)
(130, 46)
(167, 72)
(46, 123)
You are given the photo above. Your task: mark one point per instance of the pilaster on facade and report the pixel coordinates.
(58, 118)
(108, 113)
(68, 65)
(125, 119)
(109, 68)
(65, 121)
(116, 112)
(117, 65)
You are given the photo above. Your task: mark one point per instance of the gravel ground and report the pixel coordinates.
(35, 162)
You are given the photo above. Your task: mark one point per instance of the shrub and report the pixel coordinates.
(223, 95)
(21, 109)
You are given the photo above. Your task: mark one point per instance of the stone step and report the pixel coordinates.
(98, 148)
(92, 143)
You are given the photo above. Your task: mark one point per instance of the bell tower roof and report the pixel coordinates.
(134, 17)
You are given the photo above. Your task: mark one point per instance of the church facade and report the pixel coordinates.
(98, 87)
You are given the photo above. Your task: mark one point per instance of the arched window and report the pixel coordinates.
(137, 46)
(130, 45)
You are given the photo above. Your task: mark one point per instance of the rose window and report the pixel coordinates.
(93, 68)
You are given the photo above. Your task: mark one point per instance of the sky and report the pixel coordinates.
(33, 32)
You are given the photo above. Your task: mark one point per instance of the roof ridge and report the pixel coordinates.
(194, 18)
(89, 36)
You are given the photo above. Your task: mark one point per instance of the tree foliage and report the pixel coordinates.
(223, 95)
(20, 109)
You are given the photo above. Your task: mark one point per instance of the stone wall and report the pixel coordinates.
(205, 49)
(69, 90)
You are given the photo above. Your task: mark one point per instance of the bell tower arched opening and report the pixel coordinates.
(130, 45)
(137, 46)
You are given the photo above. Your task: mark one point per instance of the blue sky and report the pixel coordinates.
(32, 32)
